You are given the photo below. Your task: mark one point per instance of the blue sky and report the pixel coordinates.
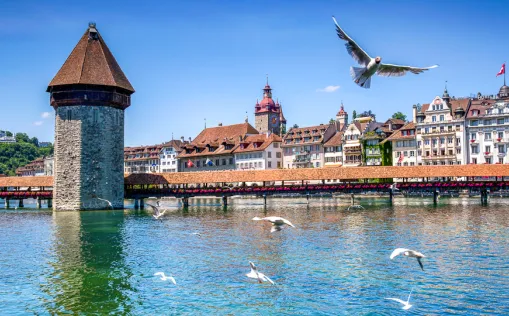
(191, 60)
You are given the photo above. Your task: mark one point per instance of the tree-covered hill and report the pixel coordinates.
(14, 155)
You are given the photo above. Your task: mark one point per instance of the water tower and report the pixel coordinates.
(89, 94)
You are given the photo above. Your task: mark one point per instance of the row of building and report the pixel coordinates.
(446, 131)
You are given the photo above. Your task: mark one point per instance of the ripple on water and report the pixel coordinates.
(334, 262)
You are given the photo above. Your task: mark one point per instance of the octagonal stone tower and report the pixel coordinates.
(89, 94)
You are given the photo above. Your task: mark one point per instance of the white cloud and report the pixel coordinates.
(38, 123)
(45, 114)
(328, 89)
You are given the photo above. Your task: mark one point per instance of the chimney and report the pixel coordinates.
(240, 138)
(414, 113)
(189, 139)
(220, 124)
(182, 138)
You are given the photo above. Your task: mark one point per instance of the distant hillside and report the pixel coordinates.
(14, 155)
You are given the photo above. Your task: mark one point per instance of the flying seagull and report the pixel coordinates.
(408, 253)
(164, 277)
(405, 304)
(277, 222)
(362, 75)
(254, 274)
(156, 210)
(393, 187)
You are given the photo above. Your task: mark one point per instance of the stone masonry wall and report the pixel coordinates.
(89, 157)
(262, 122)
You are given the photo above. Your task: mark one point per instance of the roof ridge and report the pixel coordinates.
(101, 41)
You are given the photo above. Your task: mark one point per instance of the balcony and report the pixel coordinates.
(352, 150)
(438, 132)
(488, 154)
(439, 157)
(474, 142)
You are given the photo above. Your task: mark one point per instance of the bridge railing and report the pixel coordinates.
(26, 194)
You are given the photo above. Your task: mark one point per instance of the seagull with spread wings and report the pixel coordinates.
(408, 253)
(156, 210)
(362, 75)
(406, 305)
(277, 222)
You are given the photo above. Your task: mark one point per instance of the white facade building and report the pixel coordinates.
(488, 130)
(352, 149)
(168, 155)
(440, 131)
(259, 152)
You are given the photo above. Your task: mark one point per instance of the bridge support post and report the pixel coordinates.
(50, 203)
(484, 197)
(435, 197)
(391, 195)
(307, 197)
(265, 200)
(20, 203)
(185, 202)
(7, 204)
(142, 204)
(225, 201)
(136, 204)
(38, 202)
(352, 199)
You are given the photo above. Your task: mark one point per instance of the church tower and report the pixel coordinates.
(268, 114)
(341, 118)
(89, 94)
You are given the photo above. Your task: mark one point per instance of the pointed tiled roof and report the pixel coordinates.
(91, 62)
(220, 133)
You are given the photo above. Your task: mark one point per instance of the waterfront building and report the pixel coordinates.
(168, 155)
(142, 159)
(269, 114)
(375, 152)
(89, 94)
(333, 149)
(213, 148)
(352, 149)
(403, 146)
(33, 169)
(44, 144)
(259, 152)
(488, 128)
(303, 146)
(440, 131)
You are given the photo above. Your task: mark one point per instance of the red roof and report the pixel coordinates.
(91, 62)
(335, 140)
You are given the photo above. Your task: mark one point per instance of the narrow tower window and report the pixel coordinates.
(117, 120)
(69, 115)
(96, 115)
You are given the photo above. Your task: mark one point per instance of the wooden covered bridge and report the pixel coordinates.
(306, 181)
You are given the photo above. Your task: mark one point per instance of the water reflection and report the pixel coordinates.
(88, 270)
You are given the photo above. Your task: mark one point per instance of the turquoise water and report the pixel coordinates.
(336, 262)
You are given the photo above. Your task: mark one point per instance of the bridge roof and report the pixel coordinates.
(288, 175)
(39, 181)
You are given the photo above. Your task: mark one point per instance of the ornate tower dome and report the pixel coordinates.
(89, 94)
(268, 114)
(503, 92)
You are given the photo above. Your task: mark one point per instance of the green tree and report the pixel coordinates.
(332, 121)
(295, 126)
(399, 115)
(367, 114)
(354, 114)
(34, 141)
(7, 133)
(22, 138)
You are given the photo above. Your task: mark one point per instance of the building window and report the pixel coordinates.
(279, 164)
(442, 118)
(224, 162)
(487, 136)
(500, 121)
(487, 149)
(500, 160)
(278, 154)
(501, 149)
(269, 154)
(433, 118)
(474, 123)
(269, 164)
(231, 161)
(488, 160)
(217, 162)
(317, 164)
(475, 150)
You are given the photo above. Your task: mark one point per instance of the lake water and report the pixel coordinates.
(336, 262)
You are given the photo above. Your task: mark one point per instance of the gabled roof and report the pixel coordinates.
(335, 140)
(454, 104)
(175, 143)
(220, 133)
(262, 141)
(481, 106)
(306, 132)
(92, 63)
(397, 135)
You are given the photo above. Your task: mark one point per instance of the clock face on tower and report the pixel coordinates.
(274, 121)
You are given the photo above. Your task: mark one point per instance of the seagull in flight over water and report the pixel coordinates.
(405, 304)
(109, 203)
(408, 253)
(277, 222)
(254, 274)
(156, 210)
(362, 75)
(164, 277)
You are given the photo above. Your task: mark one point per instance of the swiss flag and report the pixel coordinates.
(502, 70)
(190, 163)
